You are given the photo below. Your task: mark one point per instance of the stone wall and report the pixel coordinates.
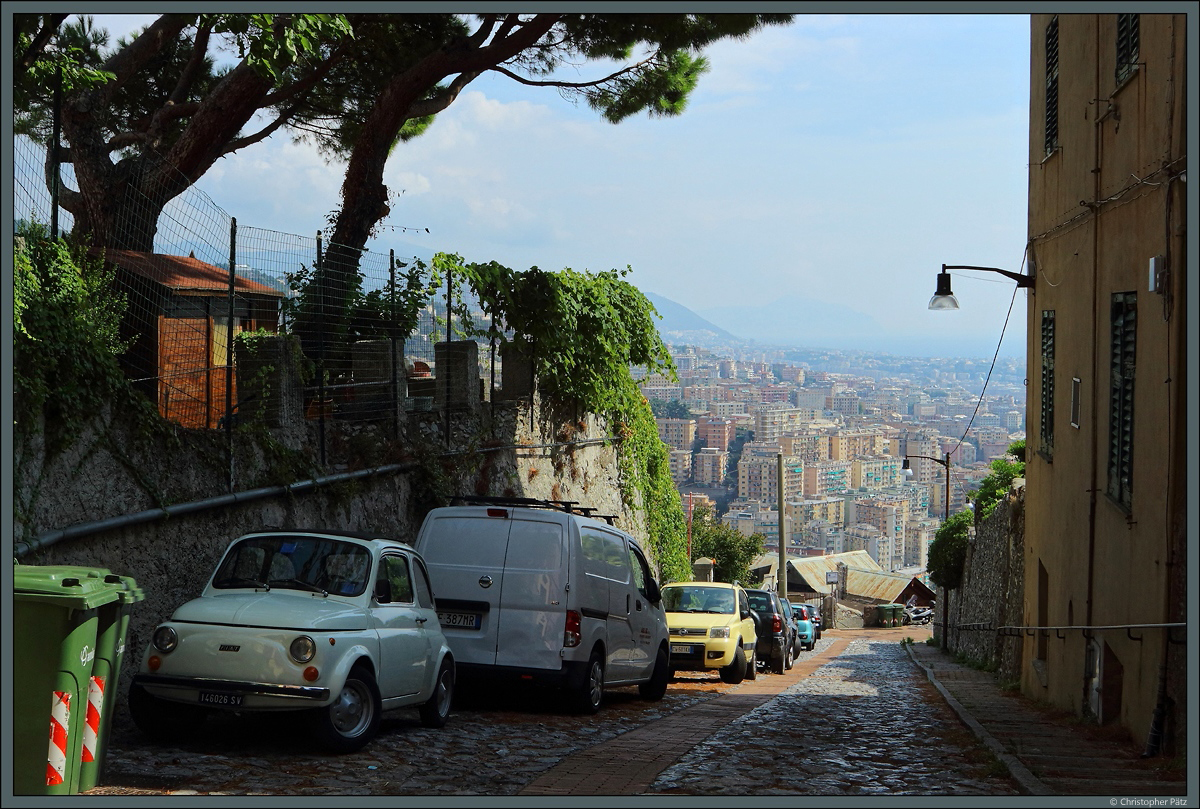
(505, 448)
(991, 592)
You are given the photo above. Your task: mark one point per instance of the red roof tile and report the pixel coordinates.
(182, 272)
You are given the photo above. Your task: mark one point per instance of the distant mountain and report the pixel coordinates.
(681, 325)
(796, 321)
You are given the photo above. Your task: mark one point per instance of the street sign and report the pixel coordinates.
(831, 577)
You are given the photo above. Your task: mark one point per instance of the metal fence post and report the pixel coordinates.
(392, 346)
(229, 353)
(317, 280)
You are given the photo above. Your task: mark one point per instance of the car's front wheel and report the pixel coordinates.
(161, 719)
(352, 719)
(752, 667)
(790, 660)
(735, 672)
(436, 711)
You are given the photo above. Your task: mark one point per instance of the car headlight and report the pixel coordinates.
(719, 632)
(302, 649)
(165, 639)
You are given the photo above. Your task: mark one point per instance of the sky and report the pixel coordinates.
(821, 175)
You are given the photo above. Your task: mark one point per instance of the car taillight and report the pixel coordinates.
(776, 624)
(572, 635)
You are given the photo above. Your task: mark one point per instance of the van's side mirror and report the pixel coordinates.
(653, 593)
(745, 613)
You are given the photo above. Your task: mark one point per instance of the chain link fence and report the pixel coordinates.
(367, 355)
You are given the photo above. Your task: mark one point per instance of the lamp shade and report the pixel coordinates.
(944, 298)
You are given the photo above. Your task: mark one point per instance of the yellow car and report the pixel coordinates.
(711, 628)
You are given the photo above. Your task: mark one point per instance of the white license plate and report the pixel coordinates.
(459, 620)
(682, 649)
(213, 698)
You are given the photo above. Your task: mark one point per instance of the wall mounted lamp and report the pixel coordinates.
(943, 298)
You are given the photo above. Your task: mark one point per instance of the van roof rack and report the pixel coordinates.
(569, 506)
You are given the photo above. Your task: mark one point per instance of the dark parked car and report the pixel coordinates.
(774, 646)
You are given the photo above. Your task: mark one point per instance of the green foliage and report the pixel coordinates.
(994, 487)
(583, 331)
(732, 550)
(66, 331)
(948, 551)
(271, 43)
(74, 58)
(1017, 450)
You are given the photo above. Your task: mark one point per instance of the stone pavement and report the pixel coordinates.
(852, 718)
(1047, 751)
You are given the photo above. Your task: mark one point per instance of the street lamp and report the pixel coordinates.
(944, 463)
(943, 298)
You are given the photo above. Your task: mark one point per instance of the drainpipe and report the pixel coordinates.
(1095, 434)
(1155, 736)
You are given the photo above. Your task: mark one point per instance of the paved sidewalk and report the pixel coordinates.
(1047, 753)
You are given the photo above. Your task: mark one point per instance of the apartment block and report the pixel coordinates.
(677, 433)
(845, 445)
(680, 464)
(876, 473)
(825, 478)
(809, 446)
(716, 432)
(805, 510)
(709, 466)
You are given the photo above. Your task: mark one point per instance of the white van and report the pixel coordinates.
(532, 589)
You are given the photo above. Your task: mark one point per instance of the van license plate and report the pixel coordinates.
(459, 620)
(212, 698)
(681, 649)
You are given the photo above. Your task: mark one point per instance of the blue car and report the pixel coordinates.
(806, 630)
(803, 632)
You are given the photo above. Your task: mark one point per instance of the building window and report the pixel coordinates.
(1076, 393)
(1047, 421)
(1120, 425)
(1127, 45)
(1052, 86)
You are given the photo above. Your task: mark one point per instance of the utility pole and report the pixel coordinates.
(781, 574)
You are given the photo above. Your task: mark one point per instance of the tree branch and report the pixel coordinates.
(307, 83)
(263, 133)
(432, 106)
(125, 63)
(49, 26)
(188, 77)
(67, 198)
(572, 84)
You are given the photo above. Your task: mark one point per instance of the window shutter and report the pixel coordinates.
(1047, 421)
(1127, 45)
(1052, 86)
(1122, 365)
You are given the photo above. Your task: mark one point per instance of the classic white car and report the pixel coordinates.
(339, 624)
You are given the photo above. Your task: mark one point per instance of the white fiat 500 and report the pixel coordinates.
(343, 626)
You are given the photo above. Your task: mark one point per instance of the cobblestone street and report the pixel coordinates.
(855, 717)
(861, 724)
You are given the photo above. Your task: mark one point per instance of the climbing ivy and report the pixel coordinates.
(66, 338)
(583, 331)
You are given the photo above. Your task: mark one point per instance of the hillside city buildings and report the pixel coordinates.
(842, 437)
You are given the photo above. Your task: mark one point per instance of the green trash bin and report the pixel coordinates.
(111, 630)
(56, 626)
